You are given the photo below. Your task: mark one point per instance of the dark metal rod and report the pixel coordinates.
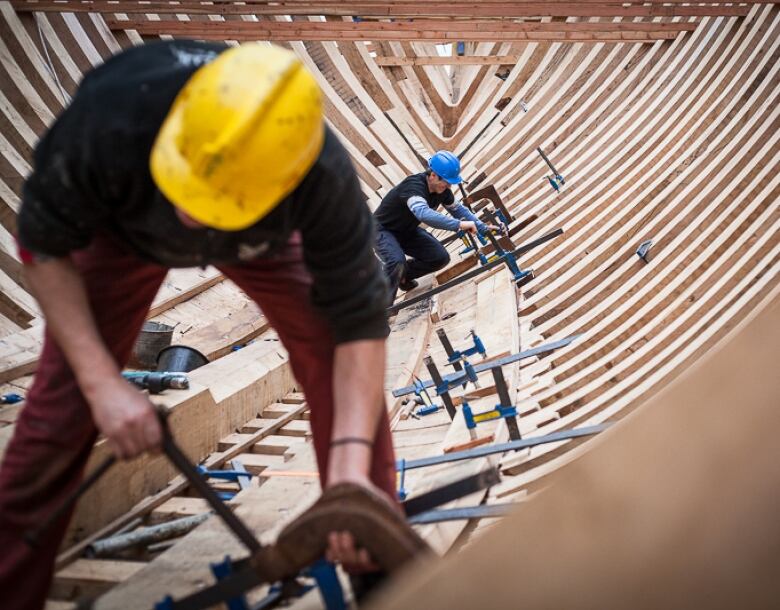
(478, 452)
(452, 491)
(503, 391)
(505, 401)
(546, 160)
(473, 273)
(499, 250)
(445, 397)
(33, 537)
(455, 379)
(199, 483)
(445, 341)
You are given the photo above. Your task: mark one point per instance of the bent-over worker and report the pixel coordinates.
(183, 154)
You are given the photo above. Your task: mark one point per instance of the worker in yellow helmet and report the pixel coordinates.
(182, 154)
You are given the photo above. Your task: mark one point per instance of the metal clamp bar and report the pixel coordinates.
(455, 379)
(473, 273)
(478, 452)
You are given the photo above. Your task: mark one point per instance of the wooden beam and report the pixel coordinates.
(449, 60)
(418, 30)
(368, 10)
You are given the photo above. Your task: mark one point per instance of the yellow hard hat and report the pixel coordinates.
(242, 134)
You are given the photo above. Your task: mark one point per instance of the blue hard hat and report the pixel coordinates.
(446, 165)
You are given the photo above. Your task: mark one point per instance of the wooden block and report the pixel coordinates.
(299, 474)
(296, 428)
(294, 398)
(470, 444)
(275, 410)
(176, 507)
(232, 439)
(257, 463)
(276, 445)
(91, 577)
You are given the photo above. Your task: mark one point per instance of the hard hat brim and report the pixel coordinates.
(173, 176)
(456, 180)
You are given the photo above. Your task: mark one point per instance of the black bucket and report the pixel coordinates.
(154, 336)
(180, 359)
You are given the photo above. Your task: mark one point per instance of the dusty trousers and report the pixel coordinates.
(54, 435)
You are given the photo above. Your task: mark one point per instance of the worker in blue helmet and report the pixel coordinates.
(413, 202)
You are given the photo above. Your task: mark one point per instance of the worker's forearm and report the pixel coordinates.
(60, 291)
(358, 390)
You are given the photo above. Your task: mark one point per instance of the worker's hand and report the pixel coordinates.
(469, 226)
(342, 549)
(341, 545)
(126, 417)
(499, 228)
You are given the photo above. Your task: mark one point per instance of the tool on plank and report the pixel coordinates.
(428, 407)
(157, 382)
(505, 409)
(644, 249)
(456, 357)
(508, 255)
(459, 377)
(556, 179)
(10, 399)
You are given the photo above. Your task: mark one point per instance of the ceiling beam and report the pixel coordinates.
(439, 60)
(344, 31)
(402, 30)
(366, 10)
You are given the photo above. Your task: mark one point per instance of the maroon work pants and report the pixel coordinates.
(55, 433)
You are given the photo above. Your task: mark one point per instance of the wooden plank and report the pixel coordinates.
(406, 345)
(218, 338)
(496, 299)
(368, 10)
(420, 30)
(447, 60)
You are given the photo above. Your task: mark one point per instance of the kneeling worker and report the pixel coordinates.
(415, 201)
